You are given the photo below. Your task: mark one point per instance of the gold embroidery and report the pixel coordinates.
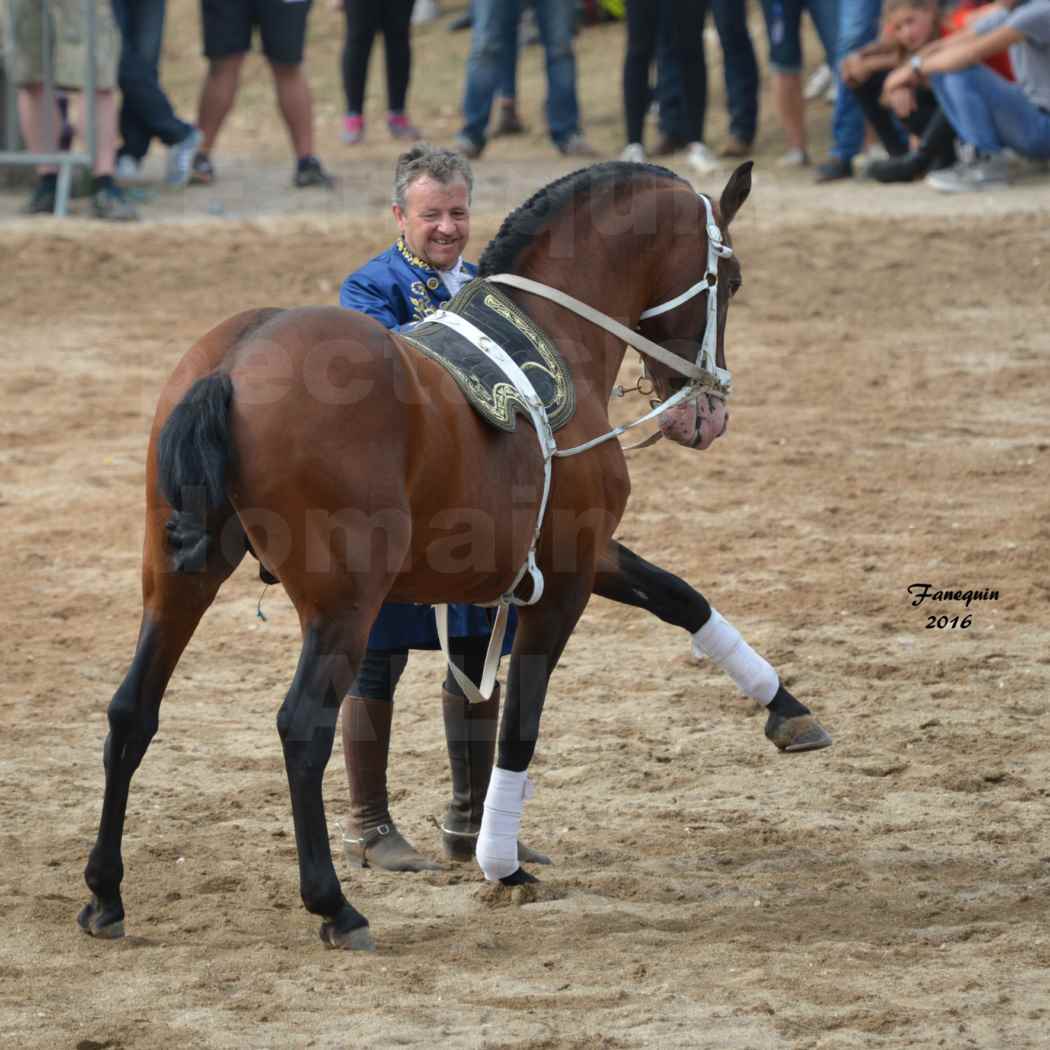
(411, 257)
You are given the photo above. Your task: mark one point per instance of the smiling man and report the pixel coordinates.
(425, 267)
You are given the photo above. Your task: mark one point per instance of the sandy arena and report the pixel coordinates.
(888, 428)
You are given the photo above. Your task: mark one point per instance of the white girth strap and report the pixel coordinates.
(548, 447)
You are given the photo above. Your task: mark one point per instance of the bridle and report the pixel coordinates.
(703, 375)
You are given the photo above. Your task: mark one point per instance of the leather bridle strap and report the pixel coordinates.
(588, 313)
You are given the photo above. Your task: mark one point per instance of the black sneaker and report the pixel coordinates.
(41, 200)
(905, 168)
(111, 205)
(201, 171)
(308, 172)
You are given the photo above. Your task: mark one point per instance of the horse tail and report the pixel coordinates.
(195, 457)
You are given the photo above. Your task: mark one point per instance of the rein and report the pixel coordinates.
(704, 375)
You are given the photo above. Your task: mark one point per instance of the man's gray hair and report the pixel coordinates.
(442, 165)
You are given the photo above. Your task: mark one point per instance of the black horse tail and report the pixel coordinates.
(195, 458)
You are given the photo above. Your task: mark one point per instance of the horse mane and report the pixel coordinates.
(529, 219)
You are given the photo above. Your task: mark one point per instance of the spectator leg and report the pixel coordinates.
(687, 35)
(857, 24)
(882, 120)
(485, 63)
(35, 127)
(643, 25)
(740, 68)
(787, 97)
(362, 23)
(217, 95)
(397, 16)
(105, 132)
(296, 105)
(556, 21)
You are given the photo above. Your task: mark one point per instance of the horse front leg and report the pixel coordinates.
(626, 578)
(173, 604)
(332, 651)
(538, 645)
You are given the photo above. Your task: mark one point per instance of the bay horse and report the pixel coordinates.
(350, 465)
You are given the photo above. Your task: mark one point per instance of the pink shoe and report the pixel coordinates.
(401, 128)
(353, 129)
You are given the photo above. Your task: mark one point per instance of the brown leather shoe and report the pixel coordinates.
(669, 144)
(371, 838)
(735, 147)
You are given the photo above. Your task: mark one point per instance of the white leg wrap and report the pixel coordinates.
(497, 849)
(722, 642)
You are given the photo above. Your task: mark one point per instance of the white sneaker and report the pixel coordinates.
(633, 153)
(180, 158)
(818, 82)
(794, 158)
(425, 11)
(127, 169)
(973, 171)
(701, 159)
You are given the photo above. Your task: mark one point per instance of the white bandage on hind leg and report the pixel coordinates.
(497, 849)
(722, 642)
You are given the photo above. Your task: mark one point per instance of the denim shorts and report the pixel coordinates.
(784, 29)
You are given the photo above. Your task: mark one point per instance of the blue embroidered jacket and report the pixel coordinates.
(398, 288)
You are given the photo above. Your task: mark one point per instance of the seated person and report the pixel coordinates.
(989, 113)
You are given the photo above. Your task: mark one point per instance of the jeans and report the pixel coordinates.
(145, 111)
(740, 69)
(495, 24)
(992, 113)
(858, 25)
(783, 26)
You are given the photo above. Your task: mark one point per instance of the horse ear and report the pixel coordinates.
(737, 189)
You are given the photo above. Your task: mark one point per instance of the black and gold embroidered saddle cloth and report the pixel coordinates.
(484, 384)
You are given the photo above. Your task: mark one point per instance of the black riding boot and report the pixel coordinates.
(470, 732)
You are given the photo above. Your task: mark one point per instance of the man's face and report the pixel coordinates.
(913, 27)
(435, 221)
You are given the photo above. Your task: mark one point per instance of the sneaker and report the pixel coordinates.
(41, 200)
(817, 83)
(180, 158)
(468, 147)
(308, 172)
(400, 127)
(425, 11)
(202, 172)
(633, 153)
(905, 168)
(109, 204)
(735, 148)
(833, 170)
(973, 171)
(701, 159)
(576, 146)
(127, 169)
(353, 129)
(793, 158)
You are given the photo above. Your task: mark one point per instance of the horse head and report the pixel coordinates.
(697, 279)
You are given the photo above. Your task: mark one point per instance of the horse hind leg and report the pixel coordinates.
(173, 604)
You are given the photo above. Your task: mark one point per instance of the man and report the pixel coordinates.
(989, 113)
(422, 271)
(68, 36)
(145, 112)
(401, 286)
(494, 24)
(228, 26)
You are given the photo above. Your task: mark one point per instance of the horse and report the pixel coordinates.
(349, 464)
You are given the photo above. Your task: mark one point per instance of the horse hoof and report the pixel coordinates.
(518, 878)
(96, 921)
(358, 939)
(799, 733)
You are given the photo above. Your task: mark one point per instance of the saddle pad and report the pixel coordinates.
(483, 382)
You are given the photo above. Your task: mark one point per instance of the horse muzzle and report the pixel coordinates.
(696, 423)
